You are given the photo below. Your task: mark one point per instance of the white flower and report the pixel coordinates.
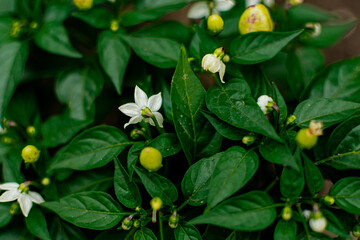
(265, 102)
(306, 213)
(144, 108)
(318, 224)
(213, 63)
(22, 194)
(201, 9)
(251, 2)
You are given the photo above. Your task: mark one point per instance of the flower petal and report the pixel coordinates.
(198, 10)
(150, 121)
(215, 67)
(10, 195)
(141, 98)
(224, 5)
(25, 204)
(134, 120)
(222, 71)
(159, 118)
(35, 197)
(130, 109)
(155, 102)
(9, 186)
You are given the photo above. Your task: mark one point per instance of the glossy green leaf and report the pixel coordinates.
(338, 80)
(304, 13)
(231, 103)
(92, 148)
(225, 129)
(285, 230)
(209, 141)
(292, 181)
(36, 224)
(347, 194)
(186, 231)
(13, 56)
(114, 56)
(78, 89)
(160, 52)
(302, 64)
(93, 210)
(60, 230)
(196, 182)
(259, 46)
(133, 156)
(167, 143)
(278, 153)
(280, 101)
(248, 212)
(202, 43)
(234, 169)
(158, 186)
(127, 192)
(5, 216)
(95, 17)
(334, 224)
(313, 176)
(53, 37)
(328, 111)
(144, 234)
(187, 99)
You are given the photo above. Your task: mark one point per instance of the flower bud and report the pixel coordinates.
(295, 2)
(306, 213)
(156, 203)
(286, 213)
(7, 140)
(174, 220)
(83, 4)
(34, 25)
(247, 140)
(266, 104)
(226, 58)
(356, 231)
(254, 19)
(30, 154)
(14, 208)
(329, 200)
(136, 133)
(114, 26)
(215, 24)
(45, 181)
(290, 120)
(137, 223)
(318, 223)
(31, 130)
(151, 159)
(127, 223)
(314, 29)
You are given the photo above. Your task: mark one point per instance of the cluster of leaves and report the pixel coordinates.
(99, 55)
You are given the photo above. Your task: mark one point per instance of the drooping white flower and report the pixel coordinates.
(213, 63)
(318, 224)
(202, 8)
(144, 108)
(21, 193)
(265, 102)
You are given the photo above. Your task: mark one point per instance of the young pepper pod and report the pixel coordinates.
(255, 18)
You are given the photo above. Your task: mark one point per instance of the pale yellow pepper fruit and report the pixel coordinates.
(256, 18)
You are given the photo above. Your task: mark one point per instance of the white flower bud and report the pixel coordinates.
(265, 102)
(318, 224)
(306, 213)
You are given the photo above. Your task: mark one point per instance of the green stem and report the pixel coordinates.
(303, 220)
(160, 129)
(272, 184)
(161, 226)
(130, 234)
(183, 204)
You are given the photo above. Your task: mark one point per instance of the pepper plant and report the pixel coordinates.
(119, 123)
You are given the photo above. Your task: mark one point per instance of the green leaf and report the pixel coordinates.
(347, 194)
(280, 101)
(292, 181)
(127, 192)
(133, 156)
(7, 6)
(5, 29)
(92, 148)
(201, 43)
(36, 224)
(144, 234)
(233, 170)
(60, 129)
(114, 56)
(285, 230)
(5, 216)
(304, 13)
(259, 46)
(278, 153)
(302, 64)
(209, 141)
(248, 212)
(328, 111)
(196, 182)
(13, 56)
(61, 230)
(78, 89)
(339, 80)
(95, 17)
(226, 130)
(186, 231)
(334, 225)
(57, 11)
(53, 37)
(160, 52)
(232, 103)
(158, 186)
(11, 167)
(93, 210)
(167, 143)
(187, 99)
(313, 176)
